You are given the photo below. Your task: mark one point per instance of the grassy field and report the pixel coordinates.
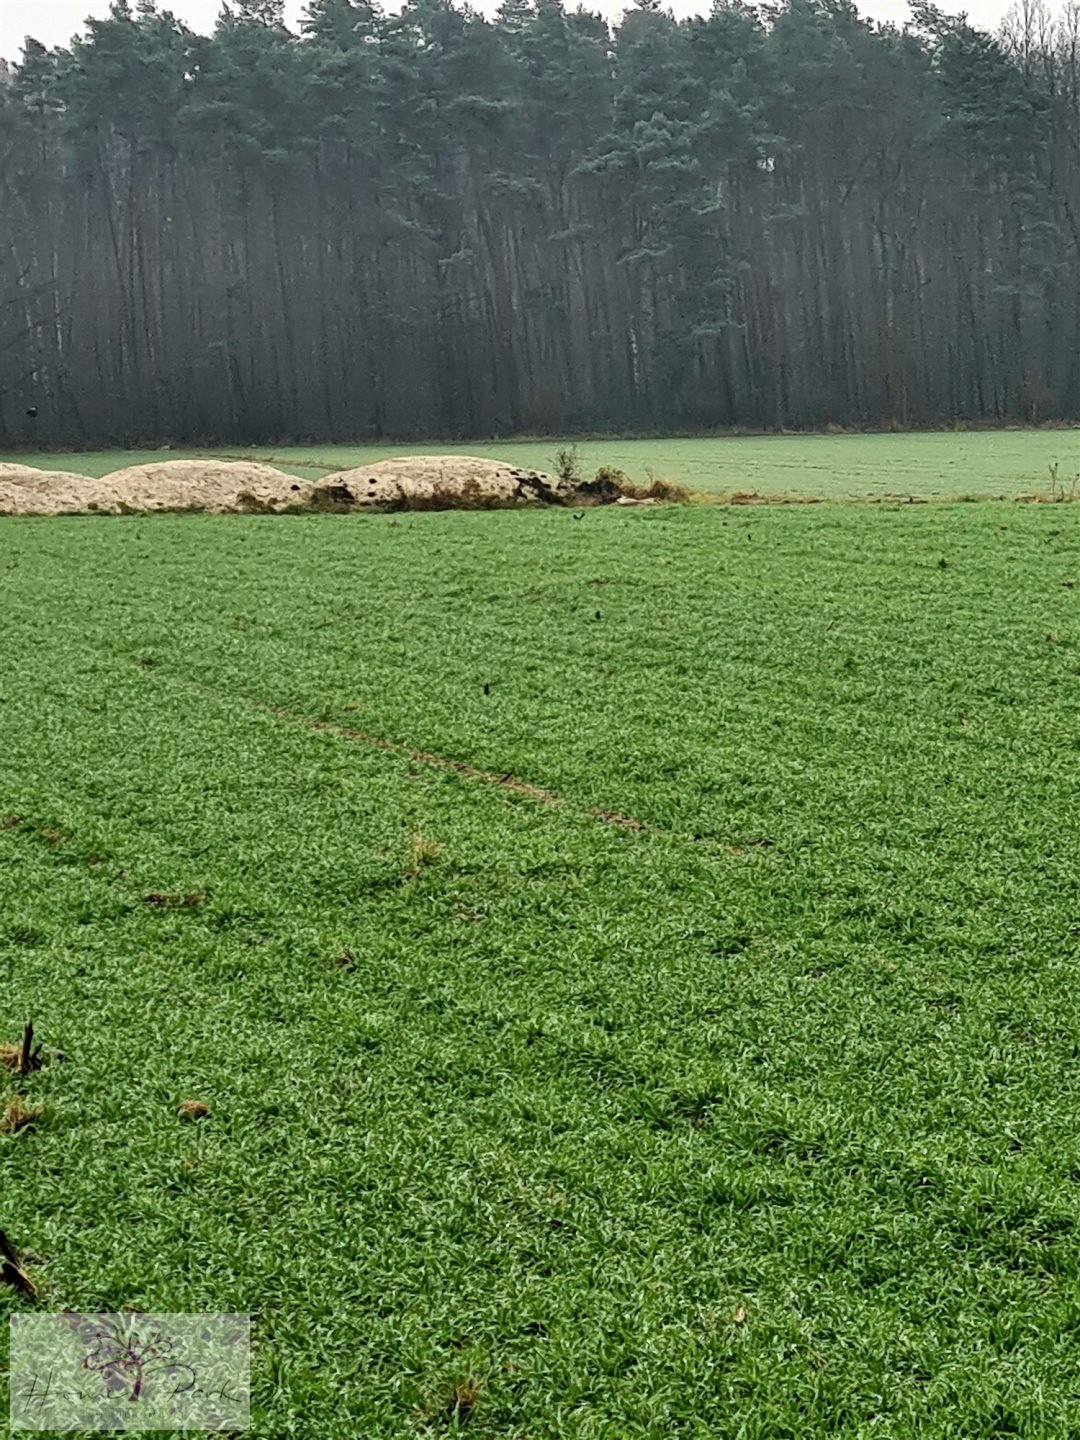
(951, 465)
(726, 1088)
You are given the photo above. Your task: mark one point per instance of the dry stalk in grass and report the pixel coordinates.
(11, 1271)
(463, 1400)
(22, 1058)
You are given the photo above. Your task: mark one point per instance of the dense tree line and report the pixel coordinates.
(433, 223)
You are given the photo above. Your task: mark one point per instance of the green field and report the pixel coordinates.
(930, 465)
(757, 1119)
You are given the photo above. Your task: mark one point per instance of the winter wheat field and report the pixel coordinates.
(931, 465)
(624, 967)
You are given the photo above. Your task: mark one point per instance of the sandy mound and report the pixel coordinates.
(30, 475)
(43, 482)
(419, 482)
(441, 482)
(26, 491)
(21, 500)
(217, 485)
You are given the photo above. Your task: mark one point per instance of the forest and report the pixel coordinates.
(434, 223)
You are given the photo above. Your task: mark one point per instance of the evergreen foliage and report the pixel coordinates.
(433, 223)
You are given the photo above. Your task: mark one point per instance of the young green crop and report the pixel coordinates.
(928, 465)
(756, 1120)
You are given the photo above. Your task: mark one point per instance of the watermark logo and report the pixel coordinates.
(130, 1372)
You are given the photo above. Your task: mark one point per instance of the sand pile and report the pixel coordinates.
(41, 480)
(15, 500)
(420, 482)
(26, 491)
(215, 485)
(442, 482)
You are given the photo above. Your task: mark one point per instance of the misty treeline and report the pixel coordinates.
(434, 223)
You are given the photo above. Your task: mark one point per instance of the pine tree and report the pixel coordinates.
(429, 222)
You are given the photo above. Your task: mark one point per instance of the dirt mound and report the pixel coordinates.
(214, 485)
(418, 482)
(441, 482)
(33, 478)
(27, 491)
(42, 482)
(19, 500)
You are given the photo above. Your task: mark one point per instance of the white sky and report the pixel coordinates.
(53, 22)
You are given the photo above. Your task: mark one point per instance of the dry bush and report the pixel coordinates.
(665, 491)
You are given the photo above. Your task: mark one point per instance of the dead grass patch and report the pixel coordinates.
(422, 852)
(165, 901)
(17, 1115)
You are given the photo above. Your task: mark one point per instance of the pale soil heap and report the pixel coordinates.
(42, 480)
(218, 486)
(173, 485)
(26, 491)
(422, 482)
(444, 482)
